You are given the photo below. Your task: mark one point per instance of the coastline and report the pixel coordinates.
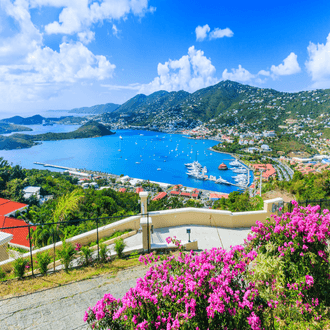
(97, 173)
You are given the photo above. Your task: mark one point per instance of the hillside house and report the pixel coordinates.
(31, 191)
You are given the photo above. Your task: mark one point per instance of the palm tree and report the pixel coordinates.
(67, 204)
(43, 235)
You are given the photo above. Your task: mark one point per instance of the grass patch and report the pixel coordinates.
(17, 287)
(114, 235)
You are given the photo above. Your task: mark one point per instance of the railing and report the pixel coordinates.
(46, 234)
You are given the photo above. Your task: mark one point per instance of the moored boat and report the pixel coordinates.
(222, 166)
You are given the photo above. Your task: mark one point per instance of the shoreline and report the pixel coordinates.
(97, 173)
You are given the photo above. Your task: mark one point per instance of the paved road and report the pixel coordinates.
(63, 308)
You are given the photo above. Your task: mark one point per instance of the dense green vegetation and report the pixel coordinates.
(310, 187)
(237, 202)
(173, 203)
(90, 129)
(288, 144)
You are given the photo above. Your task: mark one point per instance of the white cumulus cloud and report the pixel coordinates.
(220, 33)
(201, 32)
(31, 71)
(239, 74)
(79, 15)
(264, 73)
(318, 63)
(190, 73)
(73, 62)
(289, 66)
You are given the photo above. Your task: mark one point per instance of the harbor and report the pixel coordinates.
(138, 154)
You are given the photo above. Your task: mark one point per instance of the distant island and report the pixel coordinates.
(97, 109)
(6, 128)
(19, 141)
(38, 120)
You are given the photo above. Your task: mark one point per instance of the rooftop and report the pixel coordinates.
(7, 206)
(20, 234)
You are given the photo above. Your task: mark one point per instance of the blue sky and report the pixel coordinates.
(61, 54)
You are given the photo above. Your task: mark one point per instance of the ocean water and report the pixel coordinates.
(139, 154)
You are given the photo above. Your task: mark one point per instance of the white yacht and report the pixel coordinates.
(212, 178)
(240, 170)
(195, 163)
(120, 137)
(235, 163)
(221, 180)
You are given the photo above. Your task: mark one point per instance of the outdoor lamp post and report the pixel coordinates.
(188, 232)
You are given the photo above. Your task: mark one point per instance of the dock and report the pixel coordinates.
(56, 166)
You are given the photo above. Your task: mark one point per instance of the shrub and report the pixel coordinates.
(292, 267)
(278, 280)
(119, 247)
(201, 291)
(103, 252)
(44, 260)
(66, 254)
(20, 265)
(86, 254)
(2, 274)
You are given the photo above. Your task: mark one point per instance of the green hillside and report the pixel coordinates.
(226, 103)
(6, 128)
(96, 109)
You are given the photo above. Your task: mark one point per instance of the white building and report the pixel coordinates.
(265, 147)
(30, 191)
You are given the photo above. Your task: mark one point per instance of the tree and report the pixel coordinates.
(67, 204)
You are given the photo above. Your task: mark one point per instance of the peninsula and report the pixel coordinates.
(6, 128)
(18, 141)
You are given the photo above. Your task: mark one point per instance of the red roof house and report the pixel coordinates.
(9, 208)
(138, 190)
(161, 195)
(185, 194)
(20, 235)
(215, 196)
(175, 193)
(122, 190)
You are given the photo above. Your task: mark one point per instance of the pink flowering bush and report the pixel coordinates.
(280, 276)
(294, 247)
(192, 291)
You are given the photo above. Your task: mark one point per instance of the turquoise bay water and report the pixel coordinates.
(152, 151)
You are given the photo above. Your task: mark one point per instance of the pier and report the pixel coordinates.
(56, 166)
